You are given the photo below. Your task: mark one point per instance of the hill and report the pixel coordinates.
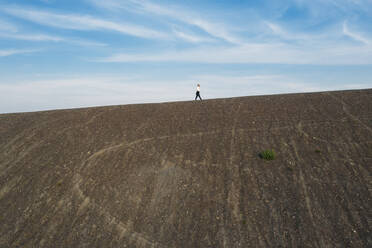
(188, 174)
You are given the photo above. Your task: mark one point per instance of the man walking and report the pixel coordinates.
(198, 93)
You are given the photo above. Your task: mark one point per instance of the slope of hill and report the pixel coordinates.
(188, 174)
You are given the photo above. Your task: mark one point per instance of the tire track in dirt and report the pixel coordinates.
(347, 112)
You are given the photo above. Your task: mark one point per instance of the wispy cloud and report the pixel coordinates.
(354, 35)
(9, 52)
(282, 33)
(191, 37)
(31, 37)
(324, 8)
(13, 32)
(46, 38)
(256, 53)
(6, 26)
(81, 42)
(82, 22)
(215, 29)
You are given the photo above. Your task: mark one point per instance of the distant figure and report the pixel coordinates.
(198, 93)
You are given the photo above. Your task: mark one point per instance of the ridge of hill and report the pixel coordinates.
(188, 174)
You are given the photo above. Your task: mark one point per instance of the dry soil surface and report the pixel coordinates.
(188, 174)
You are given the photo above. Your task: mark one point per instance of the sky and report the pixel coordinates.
(57, 54)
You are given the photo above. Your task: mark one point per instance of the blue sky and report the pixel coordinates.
(69, 53)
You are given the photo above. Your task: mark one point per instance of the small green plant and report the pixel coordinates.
(317, 150)
(59, 183)
(268, 155)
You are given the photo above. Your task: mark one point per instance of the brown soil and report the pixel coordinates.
(188, 174)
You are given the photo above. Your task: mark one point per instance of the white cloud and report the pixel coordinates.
(191, 37)
(322, 7)
(9, 52)
(11, 31)
(276, 29)
(215, 29)
(32, 37)
(279, 31)
(330, 34)
(6, 26)
(44, 37)
(81, 42)
(82, 22)
(279, 53)
(355, 36)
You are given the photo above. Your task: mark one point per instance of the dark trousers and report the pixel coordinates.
(198, 95)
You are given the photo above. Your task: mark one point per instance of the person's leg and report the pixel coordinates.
(196, 96)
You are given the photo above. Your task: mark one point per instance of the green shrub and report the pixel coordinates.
(268, 155)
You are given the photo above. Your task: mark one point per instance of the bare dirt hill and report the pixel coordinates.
(188, 174)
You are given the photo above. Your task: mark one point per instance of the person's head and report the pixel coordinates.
(199, 85)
